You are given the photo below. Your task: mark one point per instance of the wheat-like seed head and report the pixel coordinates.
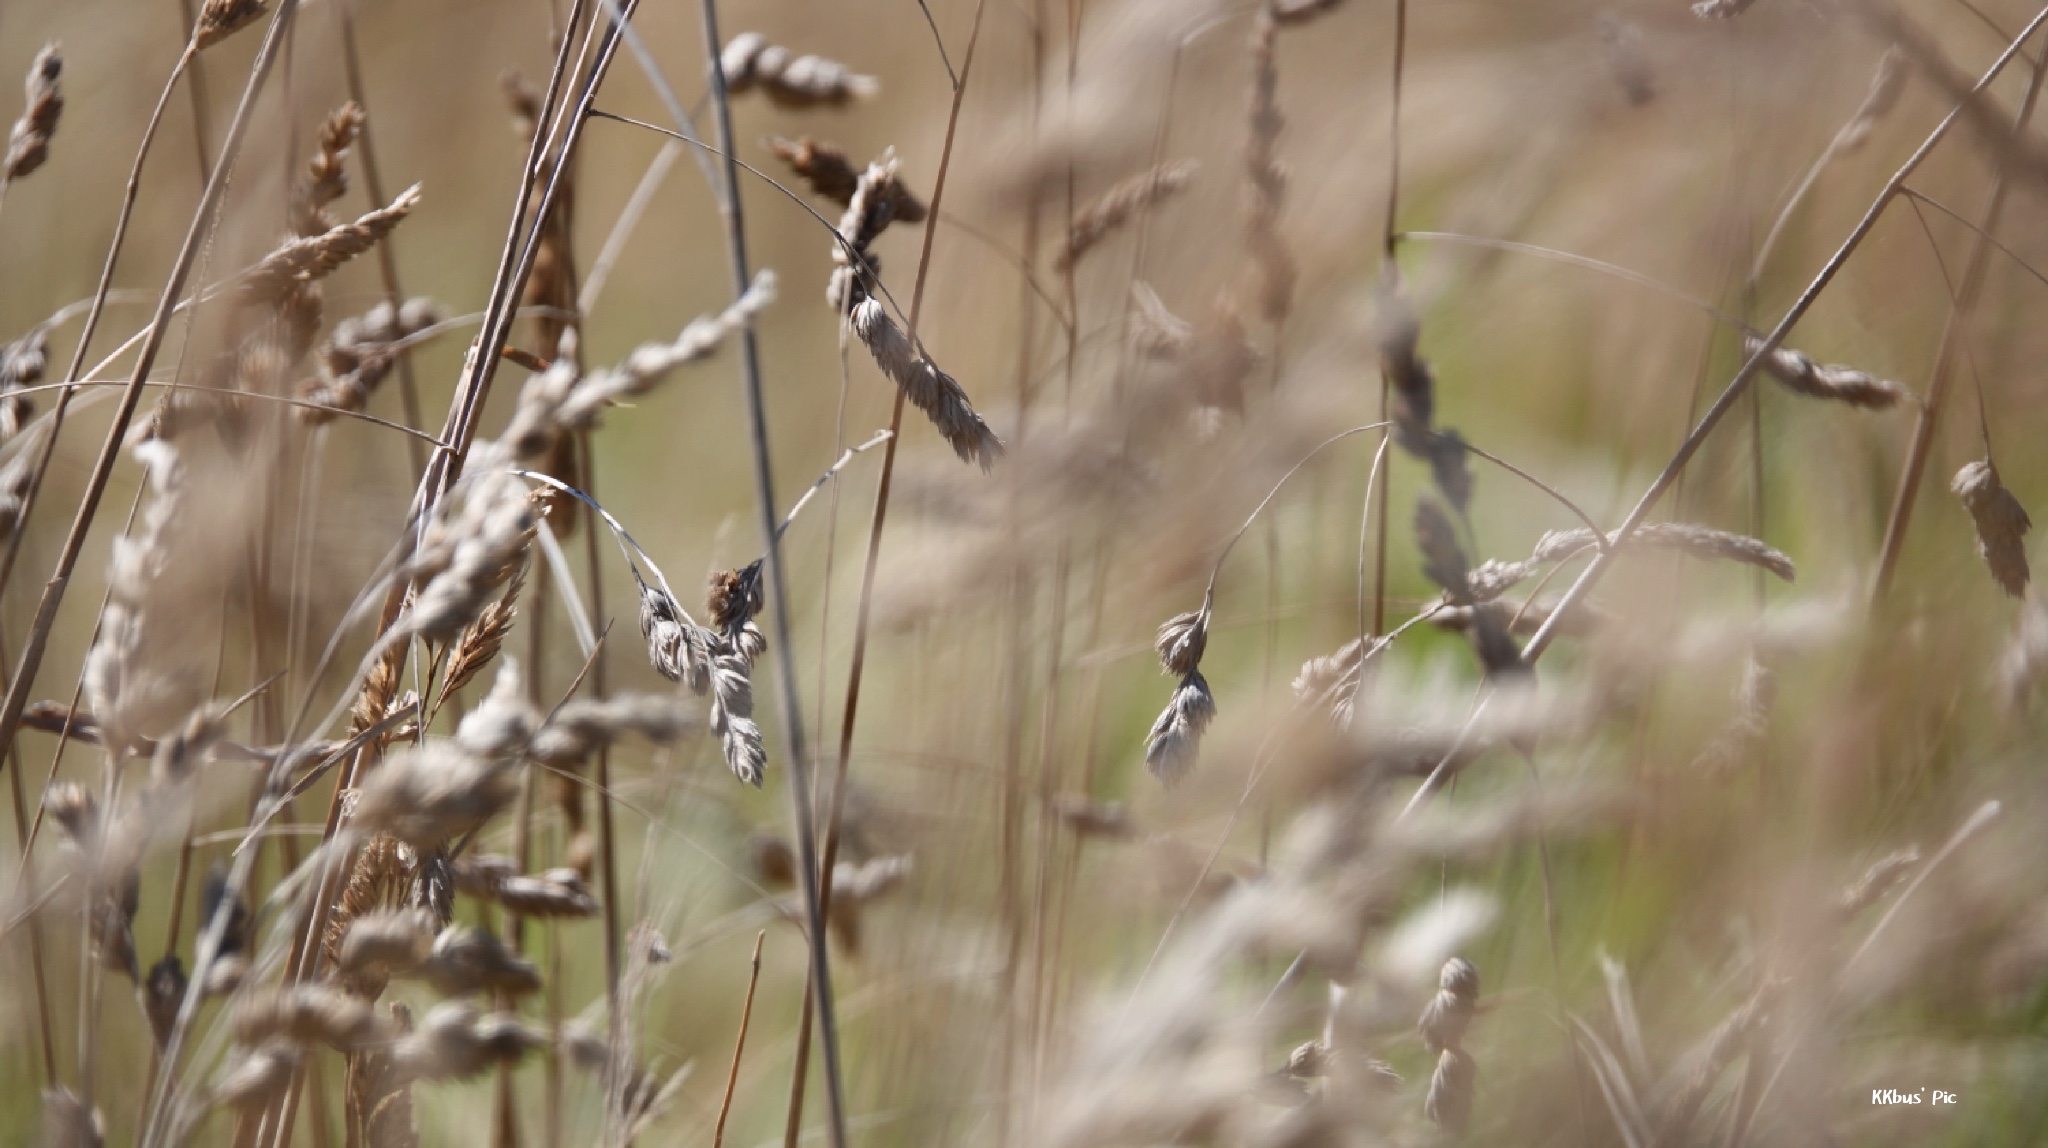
(750, 61)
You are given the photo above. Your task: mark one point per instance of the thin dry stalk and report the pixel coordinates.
(101, 293)
(801, 809)
(739, 1045)
(864, 609)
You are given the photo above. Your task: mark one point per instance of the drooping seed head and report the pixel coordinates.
(255, 1076)
(1171, 747)
(556, 893)
(1182, 641)
(466, 960)
(1799, 372)
(387, 941)
(2001, 523)
(29, 144)
(306, 1015)
(1451, 1088)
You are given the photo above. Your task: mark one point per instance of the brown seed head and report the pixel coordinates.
(219, 19)
(1096, 220)
(2001, 522)
(311, 258)
(1182, 640)
(326, 176)
(1798, 372)
(928, 388)
(1109, 820)
(832, 176)
(162, 995)
(466, 960)
(255, 1077)
(306, 1015)
(29, 144)
(457, 1041)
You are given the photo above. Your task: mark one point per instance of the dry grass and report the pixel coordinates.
(1660, 764)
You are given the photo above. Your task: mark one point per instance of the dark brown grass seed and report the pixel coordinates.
(219, 19)
(326, 176)
(832, 176)
(29, 144)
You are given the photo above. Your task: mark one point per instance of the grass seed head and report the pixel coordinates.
(1108, 212)
(749, 61)
(1451, 1088)
(1698, 541)
(1796, 371)
(29, 144)
(308, 1015)
(1176, 737)
(2001, 523)
(1182, 641)
(254, 1077)
(467, 960)
(928, 388)
(557, 893)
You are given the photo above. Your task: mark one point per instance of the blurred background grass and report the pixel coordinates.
(1518, 124)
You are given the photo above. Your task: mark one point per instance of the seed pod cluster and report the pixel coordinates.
(1443, 1024)
(1176, 737)
(2001, 523)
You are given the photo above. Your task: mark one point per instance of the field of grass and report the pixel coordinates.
(1082, 573)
